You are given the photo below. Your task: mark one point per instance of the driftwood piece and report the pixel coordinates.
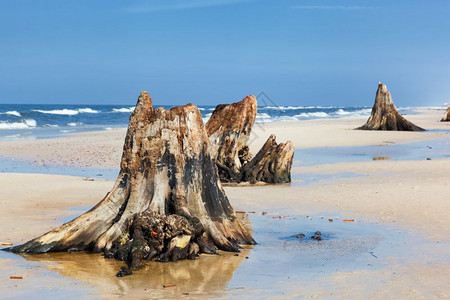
(446, 117)
(272, 164)
(167, 202)
(229, 129)
(385, 116)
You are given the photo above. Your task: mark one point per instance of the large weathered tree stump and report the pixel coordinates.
(446, 117)
(385, 116)
(271, 164)
(167, 202)
(229, 129)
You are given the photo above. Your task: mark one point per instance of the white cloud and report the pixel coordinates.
(332, 7)
(161, 5)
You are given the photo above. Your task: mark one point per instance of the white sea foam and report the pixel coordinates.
(65, 111)
(282, 107)
(296, 107)
(342, 112)
(88, 110)
(25, 124)
(74, 124)
(12, 113)
(30, 122)
(263, 116)
(124, 109)
(49, 125)
(206, 118)
(356, 113)
(317, 114)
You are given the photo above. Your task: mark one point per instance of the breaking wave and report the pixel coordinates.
(88, 111)
(317, 114)
(12, 113)
(124, 109)
(67, 112)
(25, 124)
(74, 124)
(296, 107)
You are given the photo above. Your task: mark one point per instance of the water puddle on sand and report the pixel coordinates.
(304, 179)
(279, 261)
(432, 149)
(17, 165)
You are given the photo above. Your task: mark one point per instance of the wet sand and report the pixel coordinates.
(397, 247)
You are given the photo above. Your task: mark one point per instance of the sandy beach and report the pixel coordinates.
(396, 244)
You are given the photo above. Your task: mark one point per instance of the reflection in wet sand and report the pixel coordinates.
(207, 276)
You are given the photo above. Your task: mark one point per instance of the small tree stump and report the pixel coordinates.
(385, 116)
(446, 117)
(272, 164)
(229, 129)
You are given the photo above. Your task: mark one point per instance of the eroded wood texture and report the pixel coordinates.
(272, 164)
(167, 201)
(385, 116)
(229, 129)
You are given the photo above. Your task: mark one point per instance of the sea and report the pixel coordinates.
(37, 121)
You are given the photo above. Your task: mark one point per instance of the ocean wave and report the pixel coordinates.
(25, 124)
(87, 110)
(12, 113)
(263, 116)
(49, 125)
(74, 124)
(65, 111)
(296, 107)
(124, 109)
(282, 107)
(206, 117)
(317, 114)
(355, 113)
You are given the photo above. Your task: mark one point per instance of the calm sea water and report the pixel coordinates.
(32, 121)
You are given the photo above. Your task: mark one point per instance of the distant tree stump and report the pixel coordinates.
(167, 203)
(446, 117)
(385, 116)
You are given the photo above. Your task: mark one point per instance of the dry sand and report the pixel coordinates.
(407, 197)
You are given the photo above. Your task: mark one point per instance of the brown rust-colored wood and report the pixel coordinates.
(385, 116)
(272, 164)
(229, 129)
(167, 201)
(446, 117)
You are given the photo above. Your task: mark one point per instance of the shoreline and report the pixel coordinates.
(404, 202)
(103, 149)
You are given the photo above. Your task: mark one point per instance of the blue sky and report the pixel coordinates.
(299, 52)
